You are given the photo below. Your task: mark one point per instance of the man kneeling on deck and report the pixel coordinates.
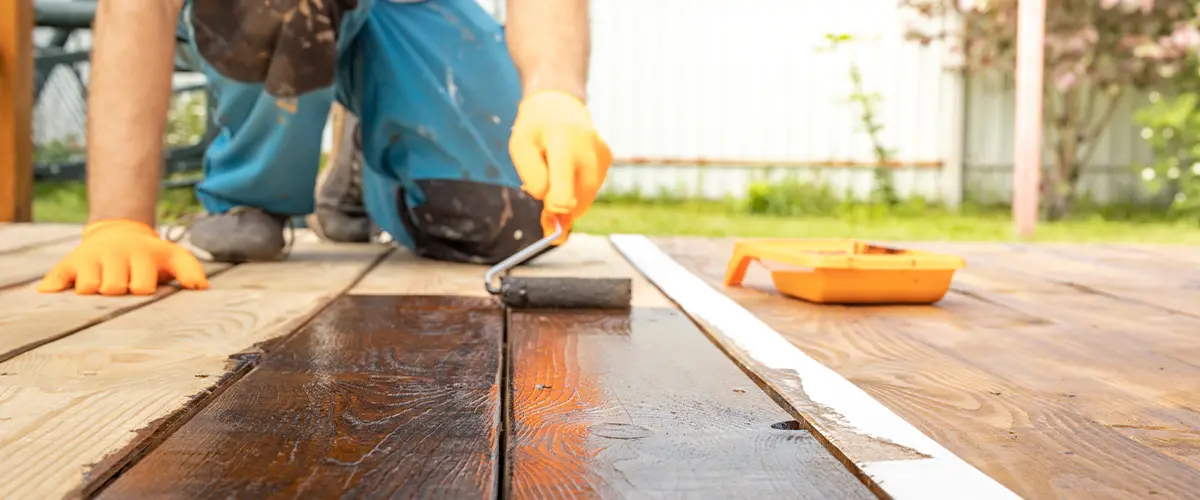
(470, 153)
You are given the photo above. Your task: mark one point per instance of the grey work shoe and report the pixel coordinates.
(243, 234)
(340, 214)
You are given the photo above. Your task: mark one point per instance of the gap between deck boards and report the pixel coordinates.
(775, 449)
(503, 482)
(164, 292)
(104, 473)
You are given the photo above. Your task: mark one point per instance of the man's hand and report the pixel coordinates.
(118, 257)
(554, 146)
(560, 157)
(130, 89)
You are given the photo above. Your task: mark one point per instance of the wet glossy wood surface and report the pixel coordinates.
(377, 397)
(641, 404)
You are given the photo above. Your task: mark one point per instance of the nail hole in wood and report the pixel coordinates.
(790, 425)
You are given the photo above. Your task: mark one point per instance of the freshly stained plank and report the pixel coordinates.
(1096, 267)
(97, 396)
(1147, 280)
(29, 319)
(21, 236)
(1125, 353)
(379, 396)
(639, 403)
(1079, 267)
(1027, 386)
(1163, 311)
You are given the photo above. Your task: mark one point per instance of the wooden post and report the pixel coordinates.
(1027, 146)
(16, 110)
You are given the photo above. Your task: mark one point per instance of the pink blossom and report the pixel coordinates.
(1186, 37)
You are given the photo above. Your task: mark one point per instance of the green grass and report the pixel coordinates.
(715, 220)
(66, 203)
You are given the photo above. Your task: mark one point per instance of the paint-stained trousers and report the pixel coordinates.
(436, 94)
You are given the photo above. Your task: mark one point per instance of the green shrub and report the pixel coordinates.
(1171, 126)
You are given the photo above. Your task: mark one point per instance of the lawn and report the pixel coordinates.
(66, 203)
(715, 220)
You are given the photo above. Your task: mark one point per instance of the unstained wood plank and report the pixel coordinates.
(377, 397)
(31, 263)
(82, 408)
(15, 237)
(403, 273)
(1046, 391)
(640, 404)
(29, 319)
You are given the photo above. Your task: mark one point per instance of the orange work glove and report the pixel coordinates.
(559, 156)
(117, 257)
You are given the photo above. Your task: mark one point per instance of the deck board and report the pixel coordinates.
(78, 409)
(396, 276)
(1059, 370)
(379, 396)
(1136, 280)
(15, 237)
(639, 403)
(30, 319)
(28, 264)
(1052, 391)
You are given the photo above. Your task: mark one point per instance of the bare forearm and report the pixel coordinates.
(550, 43)
(130, 90)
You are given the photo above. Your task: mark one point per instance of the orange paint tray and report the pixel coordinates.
(846, 271)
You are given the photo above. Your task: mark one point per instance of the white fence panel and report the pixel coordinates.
(1110, 177)
(742, 83)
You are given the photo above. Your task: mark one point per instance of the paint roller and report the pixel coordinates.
(527, 292)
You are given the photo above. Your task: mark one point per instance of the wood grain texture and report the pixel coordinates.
(74, 410)
(1140, 280)
(640, 404)
(29, 319)
(15, 237)
(377, 397)
(16, 111)
(403, 273)
(1054, 392)
(29, 264)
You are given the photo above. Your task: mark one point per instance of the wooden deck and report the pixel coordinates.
(361, 371)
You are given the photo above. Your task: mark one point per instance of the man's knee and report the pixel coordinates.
(468, 221)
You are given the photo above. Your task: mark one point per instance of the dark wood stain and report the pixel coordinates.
(1054, 392)
(377, 397)
(640, 403)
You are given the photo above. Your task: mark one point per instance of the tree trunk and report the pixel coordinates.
(1059, 192)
